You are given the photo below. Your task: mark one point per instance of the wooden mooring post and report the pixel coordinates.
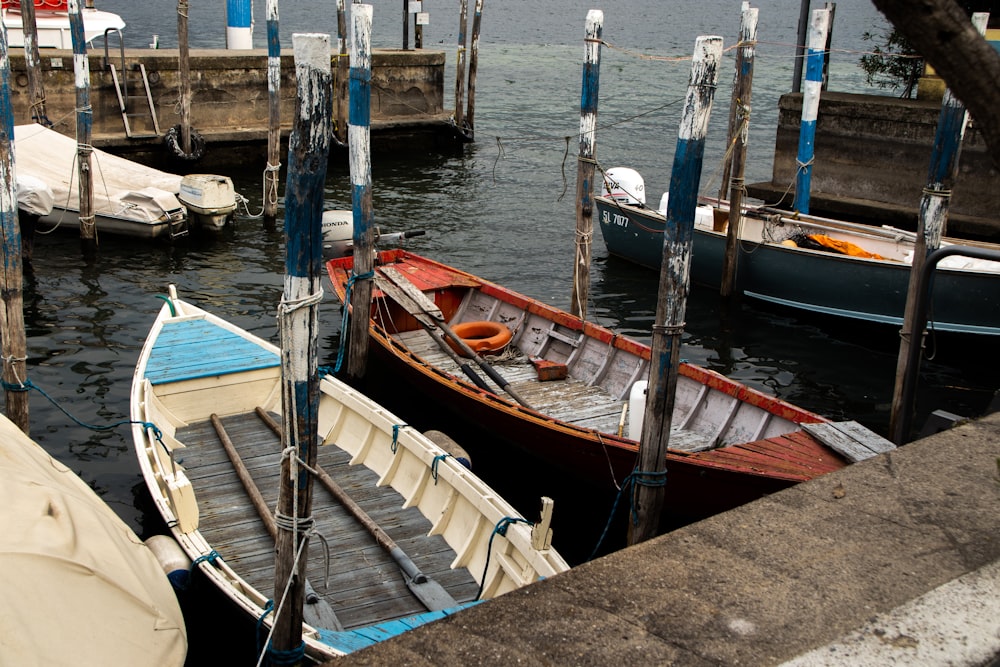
(463, 19)
(650, 473)
(470, 110)
(33, 65)
(359, 141)
(13, 342)
(343, 85)
(739, 125)
(810, 107)
(586, 162)
(931, 223)
(84, 126)
(274, 117)
(184, 76)
(298, 316)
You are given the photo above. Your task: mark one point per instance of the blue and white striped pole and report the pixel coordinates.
(359, 139)
(675, 279)
(818, 26)
(13, 342)
(298, 318)
(586, 163)
(274, 116)
(239, 24)
(84, 127)
(931, 223)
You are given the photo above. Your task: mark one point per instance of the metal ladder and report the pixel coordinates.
(127, 102)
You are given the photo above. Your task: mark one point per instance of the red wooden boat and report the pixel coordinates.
(575, 391)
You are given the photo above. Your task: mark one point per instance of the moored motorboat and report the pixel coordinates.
(567, 389)
(805, 262)
(52, 24)
(431, 537)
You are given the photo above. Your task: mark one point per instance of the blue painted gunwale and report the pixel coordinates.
(349, 641)
(192, 348)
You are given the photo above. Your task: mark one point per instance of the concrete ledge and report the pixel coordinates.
(768, 582)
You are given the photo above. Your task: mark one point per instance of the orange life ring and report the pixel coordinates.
(481, 336)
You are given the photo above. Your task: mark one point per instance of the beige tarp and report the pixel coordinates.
(51, 157)
(77, 585)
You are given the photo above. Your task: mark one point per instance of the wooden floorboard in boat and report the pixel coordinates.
(363, 585)
(568, 400)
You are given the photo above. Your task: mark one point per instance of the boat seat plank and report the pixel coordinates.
(196, 348)
(850, 439)
(364, 585)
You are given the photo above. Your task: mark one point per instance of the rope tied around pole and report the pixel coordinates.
(346, 310)
(11, 360)
(944, 193)
(290, 306)
(669, 329)
(805, 165)
(636, 477)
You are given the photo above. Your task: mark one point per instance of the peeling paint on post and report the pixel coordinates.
(818, 26)
(463, 19)
(470, 112)
(12, 336)
(84, 124)
(274, 117)
(184, 74)
(650, 472)
(343, 86)
(239, 24)
(33, 65)
(739, 131)
(586, 162)
(359, 140)
(298, 317)
(931, 224)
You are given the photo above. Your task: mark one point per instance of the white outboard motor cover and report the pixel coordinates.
(624, 185)
(636, 409)
(34, 196)
(208, 193)
(338, 232)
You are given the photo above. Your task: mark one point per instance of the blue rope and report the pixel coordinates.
(173, 310)
(344, 318)
(290, 657)
(395, 437)
(501, 530)
(268, 608)
(210, 557)
(643, 478)
(434, 465)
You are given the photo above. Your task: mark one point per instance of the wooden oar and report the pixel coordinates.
(429, 592)
(403, 299)
(318, 611)
(416, 301)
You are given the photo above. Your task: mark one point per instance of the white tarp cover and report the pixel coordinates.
(77, 585)
(51, 157)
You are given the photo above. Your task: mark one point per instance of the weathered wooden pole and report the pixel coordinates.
(650, 473)
(832, 8)
(585, 165)
(406, 25)
(274, 117)
(84, 125)
(470, 111)
(739, 131)
(810, 107)
(931, 223)
(343, 85)
(800, 45)
(463, 20)
(239, 24)
(727, 162)
(359, 141)
(298, 316)
(12, 337)
(33, 65)
(184, 73)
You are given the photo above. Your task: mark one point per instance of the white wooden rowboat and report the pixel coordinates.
(455, 528)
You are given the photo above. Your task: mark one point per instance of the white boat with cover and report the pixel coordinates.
(430, 538)
(52, 23)
(79, 586)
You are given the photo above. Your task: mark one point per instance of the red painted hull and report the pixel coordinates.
(699, 484)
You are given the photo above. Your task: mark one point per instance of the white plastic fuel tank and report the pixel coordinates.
(636, 409)
(624, 185)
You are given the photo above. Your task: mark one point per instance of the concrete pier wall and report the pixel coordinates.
(872, 155)
(229, 95)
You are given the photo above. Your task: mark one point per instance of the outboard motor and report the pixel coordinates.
(625, 186)
(338, 233)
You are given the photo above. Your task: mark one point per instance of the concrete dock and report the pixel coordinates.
(892, 561)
